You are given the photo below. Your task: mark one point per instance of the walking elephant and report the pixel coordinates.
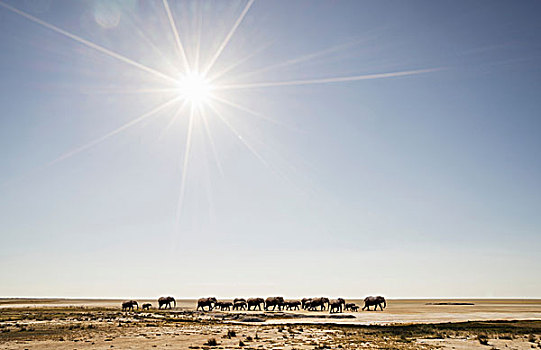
(274, 302)
(376, 301)
(336, 305)
(146, 306)
(166, 301)
(304, 302)
(240, 304)
(350, 306)
(314, 303)
(255, 303)
(209, 302)
(128, 305)
(223, 305)
(292, 304)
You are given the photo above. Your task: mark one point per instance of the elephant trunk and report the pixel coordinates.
(175, 302)
(384, 303)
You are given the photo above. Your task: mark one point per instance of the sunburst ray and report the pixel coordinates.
(249, 111)
(173, 119)
(88, 43)
(239, 136)
(301, 59)
(327, 80)
(178, 42)
(114, 132)
(212, 145)
(185, 162)
(127, 91)
(239, 62)
(228, 37)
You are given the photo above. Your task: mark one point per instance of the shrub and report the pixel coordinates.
(483, 339)
(231, 333)
(211, 342)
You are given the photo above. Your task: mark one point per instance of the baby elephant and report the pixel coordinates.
(146, 306)
(348, 306)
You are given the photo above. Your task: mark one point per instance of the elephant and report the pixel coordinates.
(255, 302)
(146, 306)
(239, 304)
(349, 306)
(238, 300)
(166, 301)
(223, 305)
(292, 304)
(210, 302)
(335, 305)
(376, 301)
(128, 305)
(317, 302)
(304, 301)
(354, 308)
(274, 301)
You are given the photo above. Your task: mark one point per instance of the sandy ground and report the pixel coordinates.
(405, 324)
(397, 311)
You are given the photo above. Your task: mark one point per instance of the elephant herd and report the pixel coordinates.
(269, 304)
(163, 301)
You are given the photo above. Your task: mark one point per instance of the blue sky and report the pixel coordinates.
(421, 185)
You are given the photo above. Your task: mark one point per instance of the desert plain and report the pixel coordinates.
(404, 324)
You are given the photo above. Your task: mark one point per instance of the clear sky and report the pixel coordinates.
(344, 148)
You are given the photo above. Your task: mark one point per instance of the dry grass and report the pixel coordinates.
(105, 327)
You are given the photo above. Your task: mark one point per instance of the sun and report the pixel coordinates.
(195, 88)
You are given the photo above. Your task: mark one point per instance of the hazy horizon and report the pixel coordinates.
(231, 297)
(257, 148)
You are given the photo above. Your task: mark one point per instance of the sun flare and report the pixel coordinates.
(200, 85)
(194, 88)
